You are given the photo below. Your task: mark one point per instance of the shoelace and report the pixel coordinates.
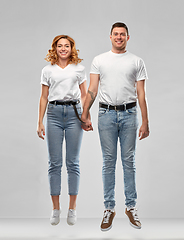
(71, 213)
(134, 214)
(107, 215)
(55, 214)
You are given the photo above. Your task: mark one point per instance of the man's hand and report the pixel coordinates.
(143, 131)
(86, 125)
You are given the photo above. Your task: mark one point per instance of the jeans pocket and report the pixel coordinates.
(132, 110)
(102, 111)
(79, 110)
(50, 106)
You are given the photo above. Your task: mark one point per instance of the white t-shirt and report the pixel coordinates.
(63, 83)
(118, 76)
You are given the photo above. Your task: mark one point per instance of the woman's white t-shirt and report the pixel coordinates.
(118, 76)
(63, 83)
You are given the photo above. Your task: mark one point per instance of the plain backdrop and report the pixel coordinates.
(27, 28)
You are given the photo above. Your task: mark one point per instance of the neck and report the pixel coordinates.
(62, 63)
(118, 51)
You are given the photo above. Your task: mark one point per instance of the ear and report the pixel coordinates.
(110, 37)
(128, 37)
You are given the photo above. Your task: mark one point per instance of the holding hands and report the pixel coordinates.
(86, 125)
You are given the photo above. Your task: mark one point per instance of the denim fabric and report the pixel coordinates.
(123, 125)
(63, 123)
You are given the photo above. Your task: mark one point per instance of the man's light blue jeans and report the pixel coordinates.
(62, 122)
(123, 125)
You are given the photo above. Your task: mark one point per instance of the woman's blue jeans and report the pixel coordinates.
(123, 125)
(63, 123)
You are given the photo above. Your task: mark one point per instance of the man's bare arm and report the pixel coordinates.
(144, 129)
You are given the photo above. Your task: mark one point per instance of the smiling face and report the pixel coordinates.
(63, 49)
(119, 38)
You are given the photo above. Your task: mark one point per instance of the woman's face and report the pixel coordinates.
(63, 49)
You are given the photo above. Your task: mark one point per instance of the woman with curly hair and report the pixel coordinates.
(63, 89)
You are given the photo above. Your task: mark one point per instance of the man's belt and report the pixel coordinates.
(118, 107)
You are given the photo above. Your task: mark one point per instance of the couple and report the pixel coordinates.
(122, 78)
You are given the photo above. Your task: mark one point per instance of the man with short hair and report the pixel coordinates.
(122, 77)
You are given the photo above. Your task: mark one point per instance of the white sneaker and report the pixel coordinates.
(72, 217)
(55, 217)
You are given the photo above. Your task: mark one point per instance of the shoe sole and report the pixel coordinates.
(71, 224)
(106, 229)
(54, 224)
(134, 226)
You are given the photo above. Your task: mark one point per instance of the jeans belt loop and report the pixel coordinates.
(115, 107)
(125, 106)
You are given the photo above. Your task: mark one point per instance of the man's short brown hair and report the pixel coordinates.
(119, 24)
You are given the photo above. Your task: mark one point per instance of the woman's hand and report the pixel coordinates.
(86, 125)
(41, 131)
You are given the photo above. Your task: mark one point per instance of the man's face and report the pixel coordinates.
(119, 39)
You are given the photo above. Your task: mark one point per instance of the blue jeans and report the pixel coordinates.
(62, 122)
(123, 125)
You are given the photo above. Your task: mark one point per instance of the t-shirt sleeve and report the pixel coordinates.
(141, 71)
(83, 76)
(44, 78)
(95, 66)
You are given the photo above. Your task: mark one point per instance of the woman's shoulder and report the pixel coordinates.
(78, 67)
(48, 68)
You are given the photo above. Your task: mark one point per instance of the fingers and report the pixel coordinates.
(143, 135)
(41, 133)
(87, 127)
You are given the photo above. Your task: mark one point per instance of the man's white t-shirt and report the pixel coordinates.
(118, 76)
(63, 83)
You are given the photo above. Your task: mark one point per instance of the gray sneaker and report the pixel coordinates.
(72, 217)
(55, 217)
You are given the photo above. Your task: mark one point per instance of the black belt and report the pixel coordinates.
(73, 103)
(118, 107)
(65, 103)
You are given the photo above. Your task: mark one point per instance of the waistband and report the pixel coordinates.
(65, 102)
(118, 107)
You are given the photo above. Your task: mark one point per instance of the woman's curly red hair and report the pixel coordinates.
(52, 54)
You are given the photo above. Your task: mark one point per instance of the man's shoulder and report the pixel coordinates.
(133, 56)
(102, 55)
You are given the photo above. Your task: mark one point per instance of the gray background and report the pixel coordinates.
(27, 28)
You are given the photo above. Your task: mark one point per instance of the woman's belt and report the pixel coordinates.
(65, 102)
(73, 103)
